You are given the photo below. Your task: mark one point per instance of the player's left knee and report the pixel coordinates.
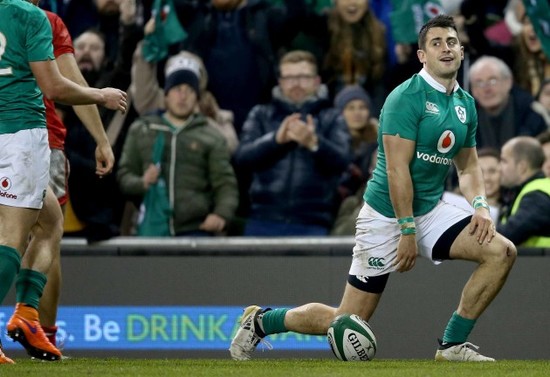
(511, 252)
(503, 251)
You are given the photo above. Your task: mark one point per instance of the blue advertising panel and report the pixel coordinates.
(156, 328)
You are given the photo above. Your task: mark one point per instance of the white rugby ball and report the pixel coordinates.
(351, 338)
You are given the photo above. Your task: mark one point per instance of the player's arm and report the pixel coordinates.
(472, 186)
(89, 115)
(399, 153)
(59, 89)
(470, 177)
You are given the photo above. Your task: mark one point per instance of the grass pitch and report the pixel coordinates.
(270, 368)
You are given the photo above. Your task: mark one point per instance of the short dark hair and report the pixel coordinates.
(529, 149)
(96, 31)
(442, 21)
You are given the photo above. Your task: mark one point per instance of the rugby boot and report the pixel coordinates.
(30, 334)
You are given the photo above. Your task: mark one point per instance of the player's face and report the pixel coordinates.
(443, 53)
(509, 176)
(181, 101)
(89, 51)
(352, 11)
(546, 165)
(356, 113)
(490, 166)
(298, 81)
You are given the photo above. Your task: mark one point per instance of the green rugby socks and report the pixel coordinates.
(10, 262)
(29, 287)
(273, 321)
(458, 328)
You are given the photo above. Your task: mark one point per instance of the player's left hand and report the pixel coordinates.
(104, 160)
(482, 226)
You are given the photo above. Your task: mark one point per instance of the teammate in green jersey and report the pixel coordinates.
(426, 124)
(28, 71)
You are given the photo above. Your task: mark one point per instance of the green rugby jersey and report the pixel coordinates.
(441, 125)
(25, 36)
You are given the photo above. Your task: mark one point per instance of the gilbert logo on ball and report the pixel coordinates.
(351, 338)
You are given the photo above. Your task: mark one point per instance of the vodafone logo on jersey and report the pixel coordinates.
(446, 141)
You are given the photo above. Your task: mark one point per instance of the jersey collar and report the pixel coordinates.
(434, 84)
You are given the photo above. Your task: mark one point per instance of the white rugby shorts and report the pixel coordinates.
(377, 236)
(24, 168)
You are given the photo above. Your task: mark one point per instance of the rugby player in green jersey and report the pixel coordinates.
(27, 72)
(426, 124)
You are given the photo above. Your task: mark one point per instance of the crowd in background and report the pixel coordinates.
(283, 99)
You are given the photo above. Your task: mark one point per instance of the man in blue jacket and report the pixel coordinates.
(296, 148)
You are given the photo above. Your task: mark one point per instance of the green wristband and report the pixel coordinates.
(480, 201)
(409, 230)
(403, 220)
(482, 204)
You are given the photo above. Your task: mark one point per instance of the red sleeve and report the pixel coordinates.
(62, 42)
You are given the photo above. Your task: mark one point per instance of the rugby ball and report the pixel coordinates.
(351, 338)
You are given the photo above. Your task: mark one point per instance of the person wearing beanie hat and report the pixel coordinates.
(182, 70)
(149, 96)
(193, 166)
(356, 107)
(350, 93)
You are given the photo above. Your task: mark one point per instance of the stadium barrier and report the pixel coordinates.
(182, 297)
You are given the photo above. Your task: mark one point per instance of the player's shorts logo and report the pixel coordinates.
(461, 113)
(446, 141)
(377, 263)
(5, 183)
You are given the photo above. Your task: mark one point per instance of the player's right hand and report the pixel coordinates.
(406, 253)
